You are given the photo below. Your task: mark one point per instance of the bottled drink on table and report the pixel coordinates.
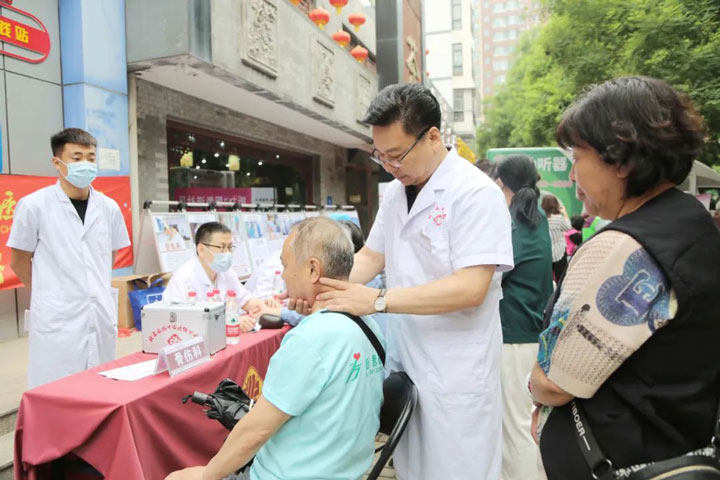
(278, 284)
(191, 296)
(210, 296)
(232, 315)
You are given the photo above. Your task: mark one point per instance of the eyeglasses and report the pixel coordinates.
(222, 248)
(376, 156)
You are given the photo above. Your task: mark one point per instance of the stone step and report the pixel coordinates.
(7, 421)
(6, 456)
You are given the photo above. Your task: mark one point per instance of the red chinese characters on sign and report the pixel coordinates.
(35, 39)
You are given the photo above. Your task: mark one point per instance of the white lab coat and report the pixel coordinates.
(459, 219)
(191, 276)
(261, 282)
(73, 318)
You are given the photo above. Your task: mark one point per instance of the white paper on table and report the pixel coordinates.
(131, 372)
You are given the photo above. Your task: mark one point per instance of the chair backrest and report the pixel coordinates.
(400, 397)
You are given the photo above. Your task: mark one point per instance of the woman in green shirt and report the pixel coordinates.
(526, 290)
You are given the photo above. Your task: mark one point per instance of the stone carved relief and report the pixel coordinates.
(323, 74)
(411, 61)
(261, 36)
(364, 96)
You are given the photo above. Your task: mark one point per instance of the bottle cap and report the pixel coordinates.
(210, 294)
(231, 293)
(278, 272)
(192, 294)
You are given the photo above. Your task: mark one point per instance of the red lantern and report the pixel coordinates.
(359, 53)
(338, 4)
(320, 16)
(356, 19)
(341, 37)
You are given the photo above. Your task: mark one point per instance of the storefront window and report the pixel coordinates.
(206, 166)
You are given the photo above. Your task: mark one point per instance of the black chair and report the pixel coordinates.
(400, 398)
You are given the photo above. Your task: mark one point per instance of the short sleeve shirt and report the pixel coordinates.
(614, 297)
(329, 377)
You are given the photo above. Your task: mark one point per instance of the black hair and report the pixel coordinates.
(518, 173)
(484, 165)
(70, 135)
(577, 222)
(411, 104)
(355, 234)
(639, 122)
(206, 230)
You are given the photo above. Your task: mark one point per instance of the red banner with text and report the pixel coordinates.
(14, 187)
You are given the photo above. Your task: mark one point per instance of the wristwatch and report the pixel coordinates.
(380, 304)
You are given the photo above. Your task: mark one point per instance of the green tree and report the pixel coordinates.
(589, 41)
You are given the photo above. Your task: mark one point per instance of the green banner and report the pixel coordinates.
(553, 164)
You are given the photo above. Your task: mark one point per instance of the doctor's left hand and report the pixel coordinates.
(348, 297)
(192, 473)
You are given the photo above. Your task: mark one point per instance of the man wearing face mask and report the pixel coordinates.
(64, 239)
(210, 270)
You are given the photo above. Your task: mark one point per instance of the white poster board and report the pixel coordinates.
(197, 219)
(296, 217)
(256, 230)
(339, 215)
(275, 234)
(173, 240)
(242, 264)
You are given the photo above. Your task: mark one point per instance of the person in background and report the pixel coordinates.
(559, 224)
(211, 270)
(319, 410)
(573, 237)
(63, 243)
(633, 335)
(484, 165)
(526, 290)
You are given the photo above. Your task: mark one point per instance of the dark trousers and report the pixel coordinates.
(558, 268)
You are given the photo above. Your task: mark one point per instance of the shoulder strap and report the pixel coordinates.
(368, 333)
(600, 466)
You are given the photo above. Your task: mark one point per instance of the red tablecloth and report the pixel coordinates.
(134, 430)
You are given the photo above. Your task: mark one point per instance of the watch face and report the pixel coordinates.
(380, 304)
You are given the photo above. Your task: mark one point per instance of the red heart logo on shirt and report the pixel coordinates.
(356, 356)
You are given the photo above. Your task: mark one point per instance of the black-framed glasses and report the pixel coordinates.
(376, 156)
(222, 248)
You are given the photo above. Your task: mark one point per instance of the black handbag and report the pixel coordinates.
(702, 464)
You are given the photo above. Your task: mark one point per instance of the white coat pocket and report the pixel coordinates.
(437, 245)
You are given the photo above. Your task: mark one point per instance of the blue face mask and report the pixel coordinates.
(221, 262)
(80, 174)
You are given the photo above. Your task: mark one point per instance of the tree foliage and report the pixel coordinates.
(589, 41)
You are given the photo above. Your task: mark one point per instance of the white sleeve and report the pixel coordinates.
(261, 281)
(25, 229)
(376, 238)
(178, 288)
(243, 294)
(120, 238)
(481, 232)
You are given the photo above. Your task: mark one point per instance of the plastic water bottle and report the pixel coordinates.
(191, 296)
(278, 284)
(232, 315)
(217, 296)
(210, 296)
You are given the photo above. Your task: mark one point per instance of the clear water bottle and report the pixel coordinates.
(278, 285)
(210, 296)
(191, 296)
(232, 315)
(217, 296)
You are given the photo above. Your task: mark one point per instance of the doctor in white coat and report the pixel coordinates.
(443, 235)
(64, 239)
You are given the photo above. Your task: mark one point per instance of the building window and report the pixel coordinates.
(487, 47)
(499, 79)
(456, 14)
(498, 7)
(459, 105)
(457, 59)
(500, 36)
(500, 64)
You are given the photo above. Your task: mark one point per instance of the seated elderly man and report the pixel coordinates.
(319, 410)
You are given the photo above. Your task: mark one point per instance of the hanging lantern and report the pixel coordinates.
(356, 19)
(295, 2)
(233, 163)
(320, 17)
(359, 53)
(341, 37)
(186, 160)
(338, 4)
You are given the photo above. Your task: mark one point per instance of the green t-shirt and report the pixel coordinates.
(527, 287)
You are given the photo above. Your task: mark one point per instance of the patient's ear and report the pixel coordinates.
(315, 270)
